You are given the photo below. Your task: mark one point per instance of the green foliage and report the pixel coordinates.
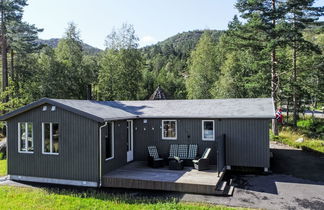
(289, 137)
(305, 124)
(120, 65)
(312, 127)
(203, 68)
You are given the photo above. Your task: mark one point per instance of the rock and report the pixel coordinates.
(300, 140)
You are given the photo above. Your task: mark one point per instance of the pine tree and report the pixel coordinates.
(10, 11)
(301, 14)
(263, 27)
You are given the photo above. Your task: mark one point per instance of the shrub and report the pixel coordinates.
(2, 156)
(306, 124)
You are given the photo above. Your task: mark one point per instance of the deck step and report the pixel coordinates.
(221, 186)
(229, 190)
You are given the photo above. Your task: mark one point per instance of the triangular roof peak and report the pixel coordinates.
(158, 94)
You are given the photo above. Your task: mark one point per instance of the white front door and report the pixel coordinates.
(130, 148)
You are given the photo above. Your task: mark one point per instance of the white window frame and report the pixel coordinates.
(51, 138)
(26, 138)
(176, 130)
(202, 130)
(112, 142)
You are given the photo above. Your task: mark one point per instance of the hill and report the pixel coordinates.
(54, 42)
(180, 44)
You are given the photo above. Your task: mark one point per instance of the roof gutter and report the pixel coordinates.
(100, 153)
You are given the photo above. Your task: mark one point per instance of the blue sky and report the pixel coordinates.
(153, 20)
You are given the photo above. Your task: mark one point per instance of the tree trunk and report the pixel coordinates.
(12, 70)
(294, 77)
(274, 90)
(4, 57)
(274, 84)
(287, 120)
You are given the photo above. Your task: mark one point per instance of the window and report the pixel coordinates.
(25, 137)
(169, 129)
(109, 140)
(208, 131)
(51, 138)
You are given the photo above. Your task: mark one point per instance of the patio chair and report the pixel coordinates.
(192, 154)
(183, 151)
(153, 159)
(173, 151)
(176, 164)
(203, 162)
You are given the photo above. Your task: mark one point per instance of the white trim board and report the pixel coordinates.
(53, 181)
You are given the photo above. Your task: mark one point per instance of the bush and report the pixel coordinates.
(306, 124)
(2, 156)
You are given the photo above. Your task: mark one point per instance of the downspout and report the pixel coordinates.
(100, 154)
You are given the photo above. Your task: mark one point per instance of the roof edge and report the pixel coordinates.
(49, 101)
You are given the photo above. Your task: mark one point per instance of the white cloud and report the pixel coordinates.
(147, 40)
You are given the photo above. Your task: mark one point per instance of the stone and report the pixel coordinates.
(300, 140)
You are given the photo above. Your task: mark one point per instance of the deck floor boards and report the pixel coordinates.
(137, 175)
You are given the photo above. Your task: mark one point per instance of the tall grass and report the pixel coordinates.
(288, 136)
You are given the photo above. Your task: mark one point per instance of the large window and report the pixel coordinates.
(51, 138)
(208, 130)
(109, 140)
(169, 129)
(25, 137)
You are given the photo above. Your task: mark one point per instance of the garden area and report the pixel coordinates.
(308, 135)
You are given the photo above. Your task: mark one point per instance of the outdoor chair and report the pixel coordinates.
(153, 159)
(176, 164)
(183, 151)
(203, 162)
(173, 151)
(192, 154)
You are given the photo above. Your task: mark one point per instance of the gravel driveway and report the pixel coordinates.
(297, 183)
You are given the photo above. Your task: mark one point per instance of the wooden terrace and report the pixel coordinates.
(138, 175)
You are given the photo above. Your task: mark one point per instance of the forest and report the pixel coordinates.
(274, 49)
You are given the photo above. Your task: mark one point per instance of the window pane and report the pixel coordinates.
(22, 136)
(30, 143)
(108, 139)
(47, 137)
(208, 130)
(169, 129)
(55, 138)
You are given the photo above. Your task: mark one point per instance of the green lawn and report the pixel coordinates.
(33, 198)
(289, 137)
(3, 167)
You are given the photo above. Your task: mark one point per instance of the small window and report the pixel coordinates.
(53, 108)
(51, 138)
(208, 130)
(109, 140)
(25, 137)
(44, 108)
(169, 129)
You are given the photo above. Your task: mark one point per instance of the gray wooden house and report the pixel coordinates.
(77, 142)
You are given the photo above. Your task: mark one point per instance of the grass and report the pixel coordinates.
(43, 198)
(3, 167)
(289, 137)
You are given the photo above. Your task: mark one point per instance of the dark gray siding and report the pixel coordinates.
(247, 140)
(78, 155)
(120, 147)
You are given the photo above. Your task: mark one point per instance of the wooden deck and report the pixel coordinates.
(138, 176)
